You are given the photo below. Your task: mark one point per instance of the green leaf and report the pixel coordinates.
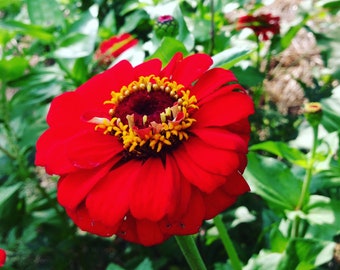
(113, 266)
(13, 68)
(6, 3)
(249, 76)
(81, 37)
(331, 111)
(280, 44)
(278, 242)
(42, 12)
(305, 254)
(273, 181)
(264, 260)
(28, 29)
(6, 192)
(282, 150)
(145, 265)
(322, 210)
(169, 46)
(230, 57)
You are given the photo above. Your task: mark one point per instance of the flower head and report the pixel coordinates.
(113, 47)
(313, 113)
(2, 257)
(263, 25)
(148, 152)
(166, 25)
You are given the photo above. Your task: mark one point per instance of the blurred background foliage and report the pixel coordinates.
(48, 47)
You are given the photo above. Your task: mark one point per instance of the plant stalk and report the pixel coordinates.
(228, 244)
(309, 171)
(190, 252)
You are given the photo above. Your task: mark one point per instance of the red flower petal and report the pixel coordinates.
(2, 257)
(216, 202)
(51, 151)
(212, 81)
(182, 190)
(236, 185)
(196, 175)
(149, 233)
(81, 218)
(169, 69)
(70, 107)
(74, 187)
(153, 192)
(152, 66)
(90, 149)
(226, 195)
(224, 110)
(191, 221)
(191, 68)
(109, 200)
(221, 138)
(111, 80)
(211, 159)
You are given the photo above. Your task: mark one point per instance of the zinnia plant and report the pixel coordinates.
(263, 25)
(147, 152)
(113, 47)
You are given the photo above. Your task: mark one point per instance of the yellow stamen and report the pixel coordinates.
(174, 120)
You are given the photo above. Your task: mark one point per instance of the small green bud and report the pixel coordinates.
(166, 26)
(313, 113)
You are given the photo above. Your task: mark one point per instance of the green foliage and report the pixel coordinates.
(291, 217)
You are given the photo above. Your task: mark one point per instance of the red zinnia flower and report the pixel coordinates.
(113, 47)
(262, 25)
(2, 257)
(148, 152)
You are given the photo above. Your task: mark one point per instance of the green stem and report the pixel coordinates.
(190, 252)
(258, 52)
(212, 27)
(309, 171)
(228, 244)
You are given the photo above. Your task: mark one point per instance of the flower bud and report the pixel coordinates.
(313, 113)
(166, 26)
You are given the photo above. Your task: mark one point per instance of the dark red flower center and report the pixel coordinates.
(141, 104)
(149, 116)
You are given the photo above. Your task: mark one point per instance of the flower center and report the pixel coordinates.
(149, 116)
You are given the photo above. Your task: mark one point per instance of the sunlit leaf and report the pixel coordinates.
(306, 254)
(27, 29)
(167, 49)
(273, 181)
(322, 210)
(42, 12)
(12, 68)
(230, 57)
(81, 37)
(282, 150)
(7, 191)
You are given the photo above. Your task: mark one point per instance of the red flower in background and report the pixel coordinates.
(113, 47)
(262, 25)
(148, 152)
(2, 257)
